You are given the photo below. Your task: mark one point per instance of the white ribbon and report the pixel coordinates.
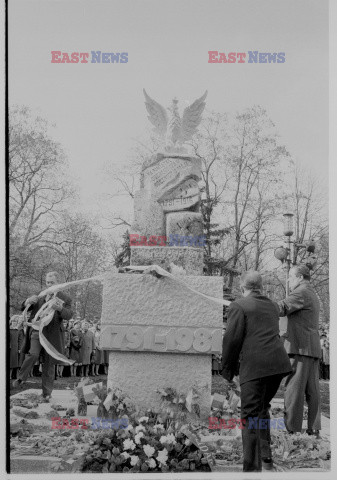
(46, 313)
(163, 273)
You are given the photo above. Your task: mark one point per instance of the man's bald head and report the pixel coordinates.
(251, 281)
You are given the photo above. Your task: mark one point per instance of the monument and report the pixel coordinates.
(160, 334)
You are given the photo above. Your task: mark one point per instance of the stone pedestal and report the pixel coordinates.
(160, 334)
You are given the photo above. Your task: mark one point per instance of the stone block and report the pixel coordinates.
(191, 259)
(160, 334)
(139, 299)
(141, 374)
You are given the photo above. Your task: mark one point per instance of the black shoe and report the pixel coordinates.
(267, 464)
(310, 431)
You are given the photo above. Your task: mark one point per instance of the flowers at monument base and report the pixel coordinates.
(138, 437)
(162, 456)
(129, 444)
(169, 439)
(158, 445)
(134, 460)
(148, 450)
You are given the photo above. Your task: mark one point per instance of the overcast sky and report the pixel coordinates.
(99, 108)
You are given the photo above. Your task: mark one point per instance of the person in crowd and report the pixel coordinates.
(60, 366)
(99, 354)
(302, 343)
(76, 340)
(326, 359)
(53, 332)
(15, 342)
(252, 336)
(106, 361)
(216, 364)
(87, 349)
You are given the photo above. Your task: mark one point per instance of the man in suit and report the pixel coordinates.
(302, 344)
(53, 332)
(252, 336)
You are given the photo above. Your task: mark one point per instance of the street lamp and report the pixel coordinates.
(288, 253)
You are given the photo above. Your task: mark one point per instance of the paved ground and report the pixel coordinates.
(60, 383)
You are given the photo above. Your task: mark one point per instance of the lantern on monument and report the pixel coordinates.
(281, 253)
(288, 224)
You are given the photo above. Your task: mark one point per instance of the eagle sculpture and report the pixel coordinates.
(174, 129)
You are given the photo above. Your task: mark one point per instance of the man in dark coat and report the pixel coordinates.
(53, 332)
(302, 344)
(252, 337)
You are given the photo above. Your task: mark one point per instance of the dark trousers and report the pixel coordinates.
(326, 371)
(48, 367)
(256, 396)
(302, 382)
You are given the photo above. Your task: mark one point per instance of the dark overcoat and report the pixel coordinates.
(252, 338)
(301, 307)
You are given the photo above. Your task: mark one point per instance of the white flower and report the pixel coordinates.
(134, 460)
(120, 407)
(126, 455)
(159, 426)
(148, 450)
(143, 419)
(188, 441)
(152, 463)
(129, 427)
(162, 456)
(129, 444)
(171, 438)
(138, 437)
(139, 428)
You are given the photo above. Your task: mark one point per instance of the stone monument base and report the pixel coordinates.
(160, 334)
(131, 370)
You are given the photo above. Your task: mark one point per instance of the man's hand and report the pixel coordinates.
(32, 300)
(56, 304)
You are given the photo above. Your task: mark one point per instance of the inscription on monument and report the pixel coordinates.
(159, 339)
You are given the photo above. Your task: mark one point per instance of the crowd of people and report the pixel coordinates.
(81, 340)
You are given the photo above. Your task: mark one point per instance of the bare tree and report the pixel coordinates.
(37, 188)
